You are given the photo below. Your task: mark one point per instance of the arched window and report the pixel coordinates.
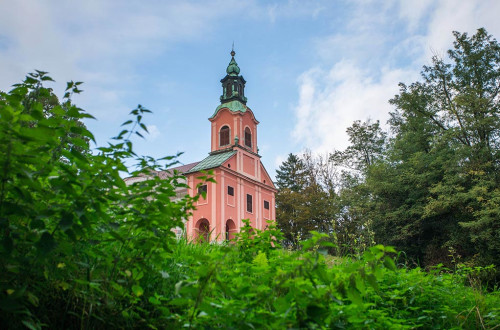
(248, 137)
(229, 90)
(203, 230)
(224, 136)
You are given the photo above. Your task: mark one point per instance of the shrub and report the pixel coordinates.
(79, 247)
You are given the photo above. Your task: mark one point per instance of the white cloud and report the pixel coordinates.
(329, 103)
(289, 9)
(154, 133)
(463, 16)
(360, 68)
(98, 42)
(414, 11)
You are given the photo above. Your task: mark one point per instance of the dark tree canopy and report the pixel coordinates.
(430, 186)
(439, 188)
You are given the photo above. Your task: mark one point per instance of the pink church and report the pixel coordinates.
(244, 189)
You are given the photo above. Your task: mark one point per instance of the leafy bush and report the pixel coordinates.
(80, 249)
(78, 245)
(259, 285)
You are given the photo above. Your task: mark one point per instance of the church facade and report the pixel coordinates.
(243, 188)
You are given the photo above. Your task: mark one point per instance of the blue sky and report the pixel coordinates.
(312, 67)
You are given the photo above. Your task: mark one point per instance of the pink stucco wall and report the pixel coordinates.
(243, 172)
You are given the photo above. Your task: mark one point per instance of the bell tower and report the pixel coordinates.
(233, 85)
(233, 123)
(244, 189)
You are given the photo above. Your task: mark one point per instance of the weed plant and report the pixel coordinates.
(253, 283)
(82, 250)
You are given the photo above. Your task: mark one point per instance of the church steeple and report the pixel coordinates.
(233, 85)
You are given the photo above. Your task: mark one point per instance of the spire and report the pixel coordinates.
(233, 69)
(233, 85)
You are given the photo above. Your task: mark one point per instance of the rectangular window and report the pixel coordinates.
(266, 205)
(202, 190)
(230, 191)
(249, 203)
(224, 135)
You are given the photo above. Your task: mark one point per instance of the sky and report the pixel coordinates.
(312, 67)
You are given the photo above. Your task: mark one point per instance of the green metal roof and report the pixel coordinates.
(233, 69)
(234, 106)
(212, 161)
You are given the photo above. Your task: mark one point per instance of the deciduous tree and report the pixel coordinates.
(439, 187)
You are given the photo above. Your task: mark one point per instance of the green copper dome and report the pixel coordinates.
(233, 106)
(233, 69)
(233, 85)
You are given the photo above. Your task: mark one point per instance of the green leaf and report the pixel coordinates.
(137, 290)
(390, 249)
(389, 263)
(155, 301)
(76, 129)
(30, 80)
(354, 296)
(372, 280)
(30, 324)
(117, 236)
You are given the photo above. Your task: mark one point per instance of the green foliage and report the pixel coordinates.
(329, 194)
(251, 283)
(438, 187)
(82, 249)
(306, 198)
(73, 235)
(355, 198)
(290, 174)
(367, 146)
(433, 185)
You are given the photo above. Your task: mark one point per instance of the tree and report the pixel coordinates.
(439, 187)
(304, 198)
(290, 182)
(290, 174)
(354, 202)
(367, 145)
